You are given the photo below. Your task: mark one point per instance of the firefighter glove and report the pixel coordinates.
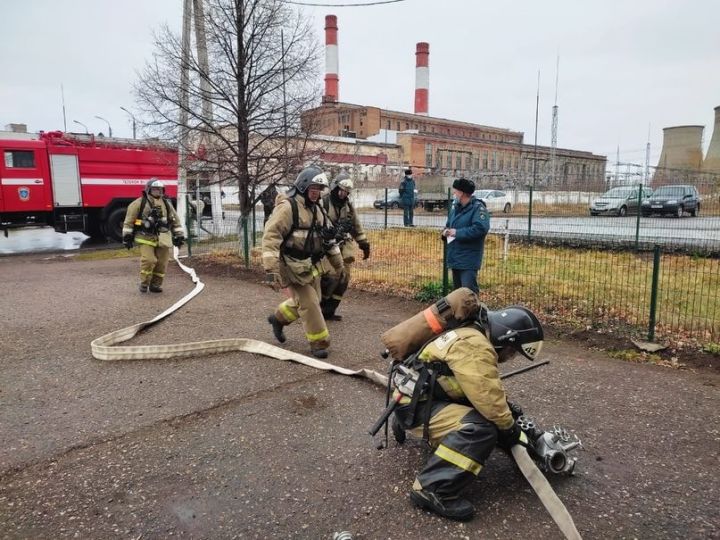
(273, 280)
(127, 241)
(515, 409)
(507, 438)
(364, 246)
(178, 240)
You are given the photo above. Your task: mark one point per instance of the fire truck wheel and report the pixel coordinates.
(114, 224)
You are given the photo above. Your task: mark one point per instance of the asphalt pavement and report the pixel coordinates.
(242, 446)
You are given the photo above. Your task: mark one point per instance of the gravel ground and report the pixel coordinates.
(243, 446)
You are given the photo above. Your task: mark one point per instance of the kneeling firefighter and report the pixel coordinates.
(152, 223)
(450, 393)
(297, 237)
(347, 224)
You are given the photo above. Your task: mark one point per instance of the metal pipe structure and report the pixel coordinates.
(422, 78)
(331, 60)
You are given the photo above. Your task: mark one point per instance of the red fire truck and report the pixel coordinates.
(78, 182)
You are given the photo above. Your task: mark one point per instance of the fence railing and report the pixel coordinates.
(597, 271)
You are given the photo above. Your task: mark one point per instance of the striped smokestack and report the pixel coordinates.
(712, 158)
(422, 78)
(331, 60)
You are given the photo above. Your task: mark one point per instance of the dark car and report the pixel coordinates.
(393, 200)
(673, 200)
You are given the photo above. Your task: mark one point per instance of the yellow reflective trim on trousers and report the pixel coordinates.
(336, 297)
(146, 242)
(457, 459)
(319, 336)
(315, 271)
(146, 272)
(287, 312)
(424, 355)
(158, 275)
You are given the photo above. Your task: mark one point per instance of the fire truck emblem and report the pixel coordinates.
(24, 193)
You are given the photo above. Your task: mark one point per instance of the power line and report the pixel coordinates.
(313, 4)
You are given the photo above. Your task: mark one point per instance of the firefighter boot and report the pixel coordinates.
(328, 307)
(455, 508)
(143, 287)
(397, 429)
(277, 328)
(319, 353)
(155, 288)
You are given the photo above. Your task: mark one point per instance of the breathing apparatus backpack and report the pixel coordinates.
(450, 311)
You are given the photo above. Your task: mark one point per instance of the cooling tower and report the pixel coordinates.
(712, 159)
(681, 154)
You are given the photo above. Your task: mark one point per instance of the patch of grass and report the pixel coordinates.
(631, 355)
(103, 254)
(429, 292)
(712, 348)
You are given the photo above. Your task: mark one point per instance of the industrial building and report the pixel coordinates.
(442, 147)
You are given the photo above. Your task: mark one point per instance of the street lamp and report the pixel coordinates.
(133, 119)
(108, 123)
(83, 125)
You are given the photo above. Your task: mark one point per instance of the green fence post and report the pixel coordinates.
(254, 231)
(654, 293)
(187, 226)
(445, 283)
(637, 222)
(530, 213)
(246, 247)
(386, 206)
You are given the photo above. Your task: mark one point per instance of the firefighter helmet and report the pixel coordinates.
(516, 327)
(310, 176)
(154, 183)
(342, 181)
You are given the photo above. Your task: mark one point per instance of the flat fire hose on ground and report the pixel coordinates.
(103, 348)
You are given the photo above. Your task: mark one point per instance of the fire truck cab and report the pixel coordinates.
(77, 182)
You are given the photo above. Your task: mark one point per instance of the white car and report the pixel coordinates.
(496, 201)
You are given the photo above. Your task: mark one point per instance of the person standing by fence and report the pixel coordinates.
(465, 232)
(407, 198)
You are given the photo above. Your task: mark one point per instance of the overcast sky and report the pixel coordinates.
(624, 64)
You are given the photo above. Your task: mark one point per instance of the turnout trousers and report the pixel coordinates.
(153, 263)
(462, 439)
(305, 305)
(333, 287)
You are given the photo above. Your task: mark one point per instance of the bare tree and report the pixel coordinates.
(245, 101)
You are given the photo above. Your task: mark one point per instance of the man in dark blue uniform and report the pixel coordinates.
(465, 232)
(407, 198)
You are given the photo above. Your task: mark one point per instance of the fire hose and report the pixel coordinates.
(104, 348)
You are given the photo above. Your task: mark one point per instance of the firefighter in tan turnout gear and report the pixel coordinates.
(347, 224)
(297, 237)
(462, 409)
(152, 223)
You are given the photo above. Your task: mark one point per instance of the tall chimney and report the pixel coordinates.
(331, 60)
(422, 78)
(712, 158)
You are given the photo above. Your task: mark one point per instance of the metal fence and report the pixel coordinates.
(648, 277)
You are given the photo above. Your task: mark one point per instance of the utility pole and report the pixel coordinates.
(133, 119)
(553, 136)
(617, 167)
(647, 159)
(62, 94)
(184, 107)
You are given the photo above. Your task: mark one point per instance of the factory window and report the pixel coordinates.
(502, 162)
(407, 125)
(458, 161)
(361, 122)
(485, 160)
(449, 160)
(468, 162)
(388, 124)
(428, 155)
(476, 163)
(494, 161)
(398, 126)
(20, 159)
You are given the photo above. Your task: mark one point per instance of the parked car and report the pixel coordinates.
(393, 200)
(496, 201)
(673, 200)
(619, 201)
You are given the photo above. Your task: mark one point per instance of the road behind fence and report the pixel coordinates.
(667, 290)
